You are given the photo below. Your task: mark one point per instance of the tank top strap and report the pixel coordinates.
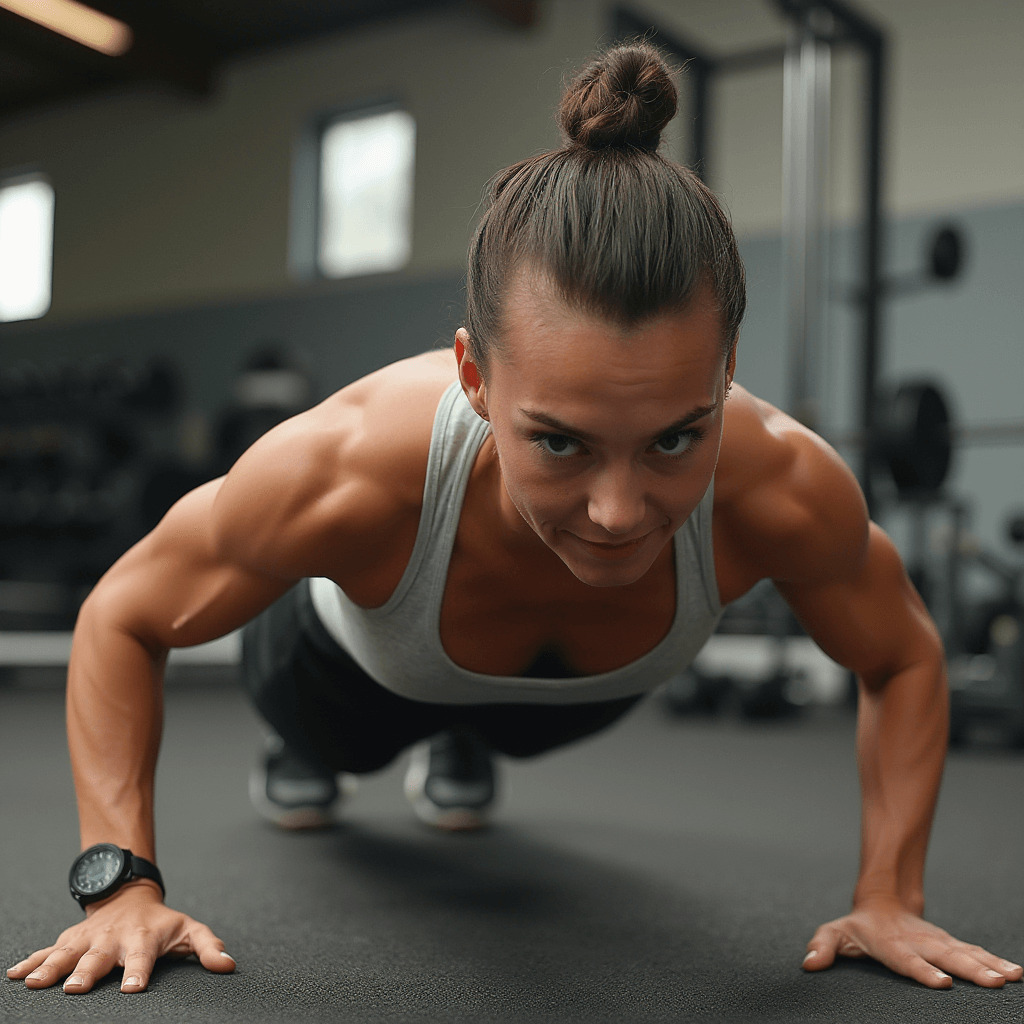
(456, 437)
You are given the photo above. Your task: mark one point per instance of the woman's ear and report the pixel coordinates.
(730, 368)
(472, 380)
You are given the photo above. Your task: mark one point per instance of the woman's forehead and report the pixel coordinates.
(547, 340)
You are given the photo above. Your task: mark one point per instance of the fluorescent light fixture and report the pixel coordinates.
(77, 22)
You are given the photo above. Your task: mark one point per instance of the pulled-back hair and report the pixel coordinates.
(621, 232)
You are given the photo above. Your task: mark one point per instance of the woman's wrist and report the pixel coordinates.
(137, 889)
(910, 900)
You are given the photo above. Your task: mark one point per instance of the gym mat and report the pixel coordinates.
(666, 870)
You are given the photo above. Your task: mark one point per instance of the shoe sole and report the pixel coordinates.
(447, 819)
(299, 819)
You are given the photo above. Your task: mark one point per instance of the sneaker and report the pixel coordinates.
(293, 793)
(450, 781)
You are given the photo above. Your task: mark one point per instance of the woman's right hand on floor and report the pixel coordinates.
(130, 929)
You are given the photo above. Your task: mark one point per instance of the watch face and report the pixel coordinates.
(96, 869)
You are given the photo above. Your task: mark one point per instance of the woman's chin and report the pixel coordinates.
(607, 564)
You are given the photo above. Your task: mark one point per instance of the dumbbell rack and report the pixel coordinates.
(72, 439)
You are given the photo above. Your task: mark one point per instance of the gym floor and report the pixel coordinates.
(668, 870)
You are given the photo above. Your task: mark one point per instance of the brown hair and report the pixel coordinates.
(621, 232)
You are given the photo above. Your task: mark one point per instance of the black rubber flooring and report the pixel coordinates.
(666, 870)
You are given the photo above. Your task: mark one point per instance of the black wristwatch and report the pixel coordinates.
(102, 869)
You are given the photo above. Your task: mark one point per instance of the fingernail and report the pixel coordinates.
(228, 956)
(813, 952)
(74, 982)
(993, 974)
(132, 983)
(941, 976)
(37, 975)
(1011, 967)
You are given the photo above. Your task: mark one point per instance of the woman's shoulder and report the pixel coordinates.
(782, 494)
(382, 423)
(331, 488)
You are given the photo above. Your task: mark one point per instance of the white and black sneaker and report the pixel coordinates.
(293, 793)
(450, 781)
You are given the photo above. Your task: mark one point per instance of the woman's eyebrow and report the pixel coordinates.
(582, 435)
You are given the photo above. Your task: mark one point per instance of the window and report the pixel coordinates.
(26, 247)
(365, 202)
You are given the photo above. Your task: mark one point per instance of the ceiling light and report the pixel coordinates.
(77, 22)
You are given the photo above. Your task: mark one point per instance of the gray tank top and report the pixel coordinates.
(399, 643)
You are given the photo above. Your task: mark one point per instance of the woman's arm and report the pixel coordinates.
(873, 622)
(171, 589)
(334, 492)
(220, 556)
(799, 519)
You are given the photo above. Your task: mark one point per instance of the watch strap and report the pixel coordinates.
(142, 868)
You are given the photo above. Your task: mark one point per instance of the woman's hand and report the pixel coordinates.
(130, 929)
(908, 945)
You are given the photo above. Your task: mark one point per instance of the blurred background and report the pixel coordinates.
(214, 215)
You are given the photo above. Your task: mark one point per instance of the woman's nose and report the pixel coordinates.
(616, 503)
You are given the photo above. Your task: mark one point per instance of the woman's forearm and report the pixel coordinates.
(902, 732)
(115, 721)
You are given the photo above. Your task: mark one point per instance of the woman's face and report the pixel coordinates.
(606, 439)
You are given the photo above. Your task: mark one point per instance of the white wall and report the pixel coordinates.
(164, 202)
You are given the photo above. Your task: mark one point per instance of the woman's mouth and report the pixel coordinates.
(611, 549)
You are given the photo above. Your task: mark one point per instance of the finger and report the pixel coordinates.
(1010, 971)
(1013, 972)
(138, 968)
(28, 965)
(822, 949)
(964, 963)
(910, 965)
(56, 964)
(210, 950)
(95, 963)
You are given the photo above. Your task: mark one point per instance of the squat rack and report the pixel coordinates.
(816, 28)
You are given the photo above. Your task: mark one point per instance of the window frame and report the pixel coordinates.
(307, 193)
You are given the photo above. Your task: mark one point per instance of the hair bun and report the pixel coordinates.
(624, 98)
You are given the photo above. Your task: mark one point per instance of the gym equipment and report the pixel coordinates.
(806, 103)
(985, 643)
(943, 262)
(776, 689)
(912, 439)
(946, 254)
(911, 436)
(694, 692)
(75, 439)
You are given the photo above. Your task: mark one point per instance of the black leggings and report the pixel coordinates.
(326, 708)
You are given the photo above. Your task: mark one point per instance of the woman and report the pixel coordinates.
(510, 547)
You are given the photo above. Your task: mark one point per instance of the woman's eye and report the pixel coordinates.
(674, 444)
(557, 444)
